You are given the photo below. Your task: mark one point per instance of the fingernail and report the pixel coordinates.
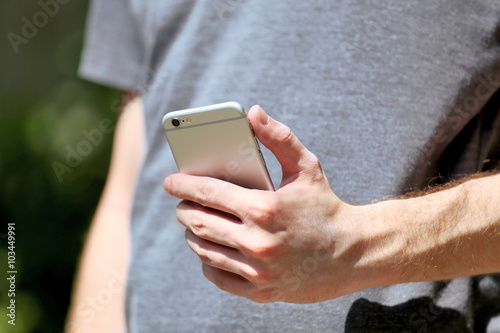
(166, 184)
(263, 117)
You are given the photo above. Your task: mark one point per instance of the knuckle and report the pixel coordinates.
(312, 167)
(262, 277)
(205, 192)
(262, 250)
(198, 227)
(314, 162)
(285, 135)
(261, 213)
(311, 161)
(204, 256)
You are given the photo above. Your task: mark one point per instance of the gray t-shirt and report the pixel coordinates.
(388, 94)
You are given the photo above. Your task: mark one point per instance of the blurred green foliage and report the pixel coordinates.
(46, 113)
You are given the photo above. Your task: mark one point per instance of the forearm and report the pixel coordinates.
(99, 295)
(444, 235)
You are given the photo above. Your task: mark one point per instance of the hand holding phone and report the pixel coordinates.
(255, 241)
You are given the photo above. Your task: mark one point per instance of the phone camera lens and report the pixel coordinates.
(176, 122)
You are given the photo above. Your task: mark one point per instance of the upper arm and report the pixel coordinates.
(128, 152)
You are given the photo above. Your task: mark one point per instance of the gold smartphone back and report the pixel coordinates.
(217, 141)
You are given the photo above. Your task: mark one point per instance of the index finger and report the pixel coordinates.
(209, 192)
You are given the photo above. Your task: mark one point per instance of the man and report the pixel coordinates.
(387, 96)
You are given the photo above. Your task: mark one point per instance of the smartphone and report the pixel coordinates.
(217, 141)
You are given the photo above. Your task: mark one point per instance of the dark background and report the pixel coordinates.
(45, 111)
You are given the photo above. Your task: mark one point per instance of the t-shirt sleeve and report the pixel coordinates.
(113, 50)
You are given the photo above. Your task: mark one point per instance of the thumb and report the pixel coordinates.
(280, 140)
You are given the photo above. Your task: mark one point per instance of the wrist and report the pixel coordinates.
(372, 248)
(383, 243)
(400, 240)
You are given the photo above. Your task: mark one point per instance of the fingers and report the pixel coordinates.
(228, 281)
(281, 141)
(238, 285)
(208, 192)
(215, 193)
(221, 257)
(209, 224)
